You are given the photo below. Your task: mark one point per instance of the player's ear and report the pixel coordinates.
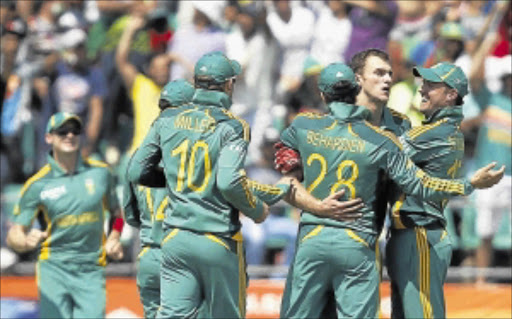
(452, 95)
(359, 79)
(49, 138)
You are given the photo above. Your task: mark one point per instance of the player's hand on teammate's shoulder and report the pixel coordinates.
(113, 246)
(487, 177)
(349, 210)
(34, 237)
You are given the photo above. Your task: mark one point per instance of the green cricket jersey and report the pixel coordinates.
(144, 208)
(437, 147)
(495, 135)
(203, 150)
(394, 121)
(73, 208)
(342, 150)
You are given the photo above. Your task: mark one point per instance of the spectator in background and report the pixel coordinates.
(371, 21)
(203, 35)
(332, 33)
(79, 88)
(292, 27)
(307, 98)
(448, 47)
(15, 93)
(403, 95)
(494, 143)
(144, 90)
(279, 225)
(256, 52)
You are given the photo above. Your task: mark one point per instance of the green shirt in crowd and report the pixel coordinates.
(73, 208)
(343, 150)
(203, 151)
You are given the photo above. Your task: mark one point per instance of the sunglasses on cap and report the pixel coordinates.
(65, 130)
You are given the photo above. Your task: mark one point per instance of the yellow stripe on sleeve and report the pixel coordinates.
(248, 194)
(40, 174)
(417, 131)
(269, 189)
(392, 137)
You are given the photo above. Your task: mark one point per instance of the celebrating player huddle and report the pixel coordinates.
(187, 185)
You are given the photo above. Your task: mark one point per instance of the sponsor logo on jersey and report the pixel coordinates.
(89, 184)
(54, 193)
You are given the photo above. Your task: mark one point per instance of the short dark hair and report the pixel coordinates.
(163, 104)
(358, 61)
(208, 83)
(344, 91)
(459, 100)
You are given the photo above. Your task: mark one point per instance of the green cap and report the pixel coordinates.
(217, 66)
(58, 119)
(177, 92)
(334, 73)
(451, 30)
(447, 73)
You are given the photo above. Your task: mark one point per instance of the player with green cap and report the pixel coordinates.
(144, 208)
(342, 150)
(419, 250)
(203, 149)
(69, 196)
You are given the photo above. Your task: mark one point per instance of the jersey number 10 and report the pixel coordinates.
(183, 150)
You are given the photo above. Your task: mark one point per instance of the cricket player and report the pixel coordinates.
(144, 208)
(71, 195)
(203, 151)
(372, 68)
(419, 250)
(343, 150)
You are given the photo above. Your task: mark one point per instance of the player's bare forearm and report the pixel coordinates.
(16, 238)
(330, 207)
(20, 241)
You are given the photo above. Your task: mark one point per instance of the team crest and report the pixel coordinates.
(89, 184)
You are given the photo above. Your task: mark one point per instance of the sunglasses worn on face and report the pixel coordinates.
(63, 131)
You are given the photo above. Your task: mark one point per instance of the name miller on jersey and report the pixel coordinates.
(335, 143)
(196, 125)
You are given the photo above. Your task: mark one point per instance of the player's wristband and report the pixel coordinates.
(118, 224)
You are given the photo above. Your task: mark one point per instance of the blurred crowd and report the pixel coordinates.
(108, 60)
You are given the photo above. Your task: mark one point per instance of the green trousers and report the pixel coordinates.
(417, 260)
(332, 259)
(202, 274)
(148, 279)
(68, 290)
